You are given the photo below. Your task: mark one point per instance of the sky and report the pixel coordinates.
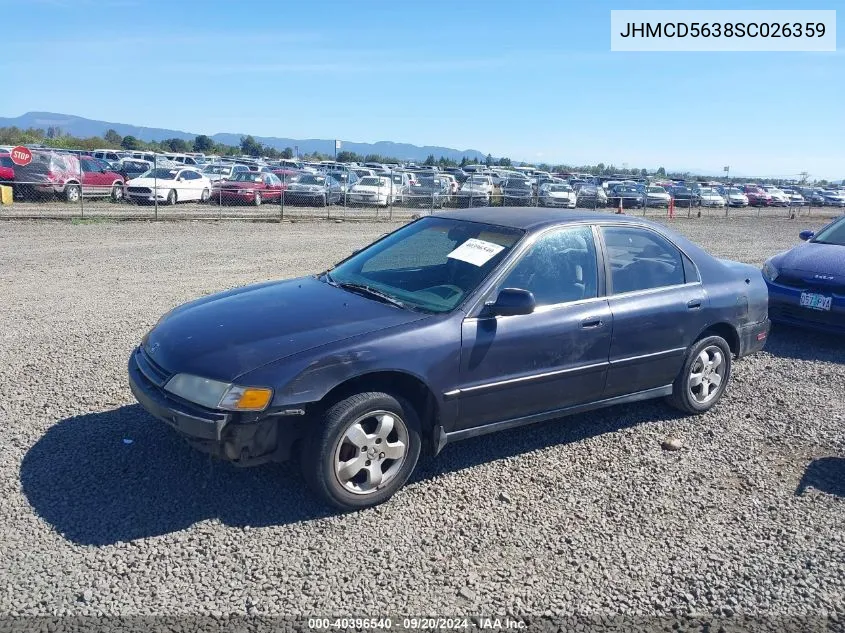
(532, 80)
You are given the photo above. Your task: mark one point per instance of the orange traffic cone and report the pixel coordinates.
(671, 207)
(619, 210)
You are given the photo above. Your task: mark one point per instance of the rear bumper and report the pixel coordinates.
(222, 435)
(753, 337)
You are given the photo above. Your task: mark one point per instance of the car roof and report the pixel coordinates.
(534, 218)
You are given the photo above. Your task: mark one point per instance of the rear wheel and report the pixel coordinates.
(362, 451)
(704, 376)
(171, 197)
(72, 193)
(117, 193)
(205, 196)
(257, 200)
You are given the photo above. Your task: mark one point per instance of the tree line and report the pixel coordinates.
(249, 146)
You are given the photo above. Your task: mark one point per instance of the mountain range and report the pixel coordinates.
(82, 127)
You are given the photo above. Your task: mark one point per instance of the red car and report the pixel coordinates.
(248, 187)
(7, 169)
(69, 176)
(757, 196)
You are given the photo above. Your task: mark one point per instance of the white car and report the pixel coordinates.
(222, 171)
(735, 197)
(795, 197)
(452, 182)
(169, 185)
(711, 198)
(779, 198)
(557, 195)
(371, 190)
(657, 196)
(478, 184)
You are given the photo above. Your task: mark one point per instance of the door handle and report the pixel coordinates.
(591, 322)
(694, 304)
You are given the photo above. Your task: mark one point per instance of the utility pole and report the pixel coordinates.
(803, 175)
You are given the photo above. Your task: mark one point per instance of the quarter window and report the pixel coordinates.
(642, 260)
(558, 268)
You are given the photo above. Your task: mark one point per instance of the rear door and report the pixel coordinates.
(658, 306)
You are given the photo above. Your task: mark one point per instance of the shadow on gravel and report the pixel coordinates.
(95, 487)
(799, 344)
(826, 474)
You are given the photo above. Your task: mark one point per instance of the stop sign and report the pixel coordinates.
(21, 156)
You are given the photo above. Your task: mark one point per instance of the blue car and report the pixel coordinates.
(455, 325)
(807, 284)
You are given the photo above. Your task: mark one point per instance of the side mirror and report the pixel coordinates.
(806, 235)
(512, 302)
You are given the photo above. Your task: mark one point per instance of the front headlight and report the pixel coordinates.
(770, 271)
(214, 394)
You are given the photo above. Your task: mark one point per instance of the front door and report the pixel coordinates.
(557, 356)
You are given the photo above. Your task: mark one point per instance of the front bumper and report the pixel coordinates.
(227, 436)
(785, 307)
(565, 203)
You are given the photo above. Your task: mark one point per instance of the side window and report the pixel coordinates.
(89, 165)
(641, 260)
(560, 267)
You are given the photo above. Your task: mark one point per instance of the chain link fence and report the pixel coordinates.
(58, 186)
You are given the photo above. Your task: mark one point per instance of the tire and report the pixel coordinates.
(325, 201)
(257, 201)
(72, 193)
(171, 197)
(205, 196)
(117, 193)
(329, 445)
(702, 366)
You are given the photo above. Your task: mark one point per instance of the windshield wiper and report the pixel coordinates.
(368, 291)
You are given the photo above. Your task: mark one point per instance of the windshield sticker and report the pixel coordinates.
(476, 252)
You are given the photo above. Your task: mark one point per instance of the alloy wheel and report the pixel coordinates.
(707, 374)
(371, 452)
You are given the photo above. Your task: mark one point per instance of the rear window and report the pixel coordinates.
(6, 161)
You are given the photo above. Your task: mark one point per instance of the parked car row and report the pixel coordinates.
(173, 178)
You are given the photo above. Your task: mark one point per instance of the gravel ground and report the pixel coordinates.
(106, 511)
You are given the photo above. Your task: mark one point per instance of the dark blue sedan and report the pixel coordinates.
(453, 326)
(807, 283)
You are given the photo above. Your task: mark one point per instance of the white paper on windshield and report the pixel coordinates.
(476, 252)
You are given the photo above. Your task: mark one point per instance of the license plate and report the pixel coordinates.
(815, 301)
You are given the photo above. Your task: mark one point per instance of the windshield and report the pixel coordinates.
(311, 179)
(372, 181)
(217, 169)
(432, 264)
(833, 234)
(163, 174)
(656, 190)
(247, 176)
(560, 188)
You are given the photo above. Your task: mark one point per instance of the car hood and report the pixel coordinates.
(229, 184)
(814, 258)
(224, 335)
(149, 182)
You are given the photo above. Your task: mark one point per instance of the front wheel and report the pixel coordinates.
(362, 451)
(257, 201)
(117, 193)
(704, 376)
(205, 196)
(171, 197)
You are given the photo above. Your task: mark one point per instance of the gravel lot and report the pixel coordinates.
(106, 511)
